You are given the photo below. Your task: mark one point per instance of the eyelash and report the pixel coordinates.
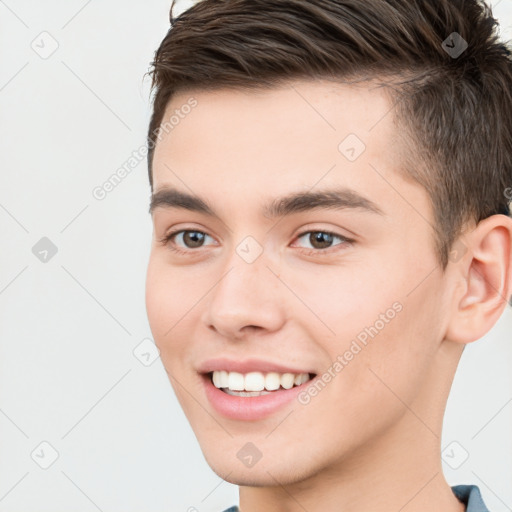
(166, 240)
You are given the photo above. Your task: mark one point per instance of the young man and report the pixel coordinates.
(331, 184)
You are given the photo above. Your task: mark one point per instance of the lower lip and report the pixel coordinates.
(249, 408)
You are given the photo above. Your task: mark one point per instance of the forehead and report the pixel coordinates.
(263, 143)
(293, 111)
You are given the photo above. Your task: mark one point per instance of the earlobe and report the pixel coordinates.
(487, 274)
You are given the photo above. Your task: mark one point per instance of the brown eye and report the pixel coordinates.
(193, 239)
(190, 239)
(320, 243)
(320, 240)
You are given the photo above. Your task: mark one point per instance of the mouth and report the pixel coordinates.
(254, 395)
(256, 383)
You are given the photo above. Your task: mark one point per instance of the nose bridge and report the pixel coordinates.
(247, 294)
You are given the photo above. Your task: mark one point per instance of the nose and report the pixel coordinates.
(247, 298)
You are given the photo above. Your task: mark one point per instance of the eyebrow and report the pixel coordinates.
(332, 199)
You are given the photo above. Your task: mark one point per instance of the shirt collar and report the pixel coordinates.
(471, 497)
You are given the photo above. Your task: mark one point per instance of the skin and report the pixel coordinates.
(370, 440)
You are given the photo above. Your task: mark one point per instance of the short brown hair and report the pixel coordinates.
(454, 107)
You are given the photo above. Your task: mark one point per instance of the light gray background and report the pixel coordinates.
(68, 327)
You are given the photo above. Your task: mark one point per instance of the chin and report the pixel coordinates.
(265, 473)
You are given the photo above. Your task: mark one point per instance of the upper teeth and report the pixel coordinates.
(257, 381)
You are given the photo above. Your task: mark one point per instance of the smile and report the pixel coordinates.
(256, 383)
(253, 396)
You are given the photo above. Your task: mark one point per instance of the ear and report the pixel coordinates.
(484, 279)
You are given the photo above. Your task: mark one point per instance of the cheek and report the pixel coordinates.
(390, 351)
(164, 304)
(172, 297)
(155, 298)
(338, 303)
(378, 324)
(164, 294)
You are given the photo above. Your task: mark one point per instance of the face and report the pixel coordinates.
(341, 287)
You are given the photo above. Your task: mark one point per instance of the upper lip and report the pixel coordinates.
(246, 366)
